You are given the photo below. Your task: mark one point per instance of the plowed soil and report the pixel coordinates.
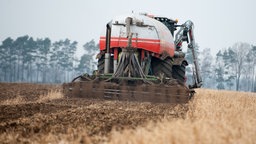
(34, 113)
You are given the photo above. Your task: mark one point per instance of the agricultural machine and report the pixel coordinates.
(141, 59)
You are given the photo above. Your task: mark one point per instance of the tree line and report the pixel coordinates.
(231, 68)
(41, 60)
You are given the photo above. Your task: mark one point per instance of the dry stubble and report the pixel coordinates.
(213, 117)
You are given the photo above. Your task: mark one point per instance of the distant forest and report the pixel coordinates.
(42, 61)
(27, 59)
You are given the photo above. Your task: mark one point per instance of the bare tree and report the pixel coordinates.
(248, 71)
(207, 70)
(238, 53)
(253, 53)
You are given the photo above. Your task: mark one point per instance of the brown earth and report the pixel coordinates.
(36, 113)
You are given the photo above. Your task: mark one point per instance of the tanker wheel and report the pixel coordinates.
(162, 66)
(100, 65)
(178, 72)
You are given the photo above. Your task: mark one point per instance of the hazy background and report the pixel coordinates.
(219, 23)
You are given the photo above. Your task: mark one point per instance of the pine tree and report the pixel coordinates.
(219, 71)
(6, 59)
(88, 62)
(29, 58)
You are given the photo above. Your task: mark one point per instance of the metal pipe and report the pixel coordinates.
(192, 46)
(107, 54)
(115, 59)
(115, 65)
(107, 63)
(128, 22)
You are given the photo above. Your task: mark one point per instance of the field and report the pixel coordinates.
(33, 113)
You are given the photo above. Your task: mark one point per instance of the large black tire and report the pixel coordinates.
(162, 66)
(101, 65)
(178, 72)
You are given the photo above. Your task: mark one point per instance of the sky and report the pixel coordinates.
(218, 23)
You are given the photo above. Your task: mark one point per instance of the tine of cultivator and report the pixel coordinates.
(142, 93)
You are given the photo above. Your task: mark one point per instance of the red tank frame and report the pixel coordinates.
(155, 46)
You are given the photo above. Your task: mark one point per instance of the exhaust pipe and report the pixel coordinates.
(107, 54)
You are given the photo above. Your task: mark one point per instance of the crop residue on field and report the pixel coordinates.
(40, 114)
(35, 114)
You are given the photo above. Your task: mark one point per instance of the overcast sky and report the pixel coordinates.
(218, 23)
